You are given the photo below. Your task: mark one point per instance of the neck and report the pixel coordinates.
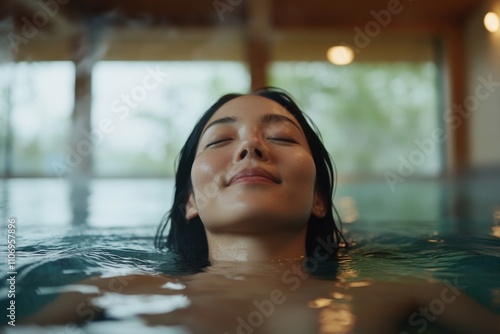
(256, 247)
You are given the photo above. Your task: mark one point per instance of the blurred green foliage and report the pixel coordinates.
(369, 115)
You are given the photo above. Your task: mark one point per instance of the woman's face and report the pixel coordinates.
(253, 170)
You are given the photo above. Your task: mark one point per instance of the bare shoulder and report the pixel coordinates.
(424, 304)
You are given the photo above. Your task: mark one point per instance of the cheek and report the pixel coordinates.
(303, 169)
(207, 175)
(201, 168)
(199, 173)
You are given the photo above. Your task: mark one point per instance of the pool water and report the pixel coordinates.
(67, 234)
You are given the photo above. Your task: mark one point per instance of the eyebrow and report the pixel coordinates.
(266, 119)
(223, 120)
(277, 118)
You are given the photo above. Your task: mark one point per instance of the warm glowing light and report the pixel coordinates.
(491, 22)
(359, 284)
(348, 210)
(320, 302)
(340, 55)
(336, 320)
(495, 230)
(338, 295)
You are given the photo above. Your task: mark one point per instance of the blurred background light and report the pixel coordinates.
(491, 22)
(340, 55)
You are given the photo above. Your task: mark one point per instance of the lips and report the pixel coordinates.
(254, 175)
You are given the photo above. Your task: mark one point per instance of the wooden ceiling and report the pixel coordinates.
(296, 14)
(341, 12)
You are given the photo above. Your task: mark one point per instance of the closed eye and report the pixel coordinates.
(285, 140)
(219, 141)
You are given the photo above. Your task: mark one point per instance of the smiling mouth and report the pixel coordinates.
(254, 175)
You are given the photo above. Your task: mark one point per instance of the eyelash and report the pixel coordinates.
(217, 142)
(285, 140)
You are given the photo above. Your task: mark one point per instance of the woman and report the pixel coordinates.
(236, 163)
(253, 199)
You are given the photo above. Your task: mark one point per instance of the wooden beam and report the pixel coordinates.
(458, 124)
(258, 32)
(84, 46)
(6, 57)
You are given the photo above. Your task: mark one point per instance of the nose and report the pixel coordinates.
(251, 149)
(258, 153)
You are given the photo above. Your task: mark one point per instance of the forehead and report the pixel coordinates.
(251, 107)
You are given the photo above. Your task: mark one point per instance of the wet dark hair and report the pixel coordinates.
(187, 238)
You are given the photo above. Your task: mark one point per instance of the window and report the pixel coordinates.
(372, 115)
(152, 108)
(41, 100)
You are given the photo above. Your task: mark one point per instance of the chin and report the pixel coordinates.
(253, 220)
